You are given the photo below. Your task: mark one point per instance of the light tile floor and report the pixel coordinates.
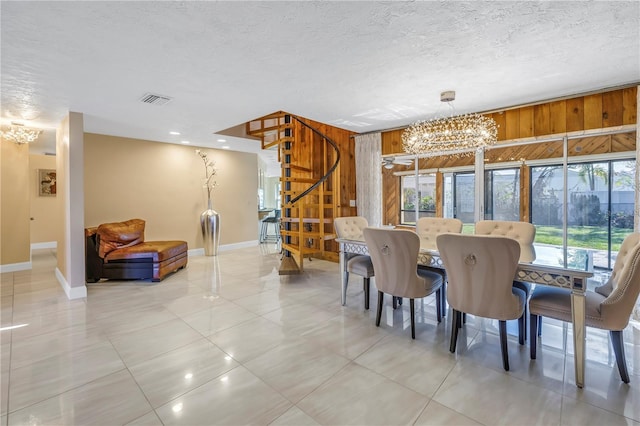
(229, 341)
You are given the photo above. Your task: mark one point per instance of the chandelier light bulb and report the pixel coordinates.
(19, 134)
(450, 136)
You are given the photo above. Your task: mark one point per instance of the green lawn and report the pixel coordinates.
(589, 237)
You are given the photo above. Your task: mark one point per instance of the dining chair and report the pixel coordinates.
(607, 307)
(481, 270)
(394, 253)
(428, 229)
(350, 227)
(524, 233)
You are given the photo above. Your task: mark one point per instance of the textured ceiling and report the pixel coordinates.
(358, 65)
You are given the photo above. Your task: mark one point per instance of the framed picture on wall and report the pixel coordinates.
(46, 182)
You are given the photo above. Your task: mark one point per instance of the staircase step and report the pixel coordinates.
(299, 180)
(294, 167)
(270, 144)
(261, 131)
(312, 235)
(306, 220)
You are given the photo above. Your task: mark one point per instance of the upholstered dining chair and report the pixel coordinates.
(394, 254)
(428, 229)
(480, 269)
(608, 307)
(350, 227)
(524, 233)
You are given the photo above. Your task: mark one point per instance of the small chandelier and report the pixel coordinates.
(19, 134)
(453, 136)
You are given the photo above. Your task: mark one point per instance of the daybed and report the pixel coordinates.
(118, 251)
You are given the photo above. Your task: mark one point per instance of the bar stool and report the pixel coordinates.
(264, 228)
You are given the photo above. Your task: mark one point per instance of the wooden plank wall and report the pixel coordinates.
(597, 111)
(590, 112)
(347, 169)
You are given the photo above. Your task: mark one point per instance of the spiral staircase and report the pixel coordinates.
(309, 185)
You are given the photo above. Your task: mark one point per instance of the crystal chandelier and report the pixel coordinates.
(452, 136)
(19, 134)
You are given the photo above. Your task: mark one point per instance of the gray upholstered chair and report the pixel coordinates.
(394, 254)
(428, 229)
(608, 307)
(524, 233)
(481, 270)
(351, 227)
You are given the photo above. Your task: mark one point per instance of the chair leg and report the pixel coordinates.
(525, 317)
(464, 318)
(379, 313)
(539, 326)
(399, 301)
(365, 283)
(454, 330)
(439, 305)
(503, 344)
(533, 334)
(522, 330)
(443, 296)
(394, 302)
(618, 349)
(413, 318)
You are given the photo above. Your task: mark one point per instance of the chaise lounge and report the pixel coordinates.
(118, 251)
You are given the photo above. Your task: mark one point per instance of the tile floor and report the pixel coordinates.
(228, 341)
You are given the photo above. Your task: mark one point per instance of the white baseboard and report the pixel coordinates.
(236, 246)
(195, 252)
(14, 267)
(45, 245)
(72, 293)
(226, 247)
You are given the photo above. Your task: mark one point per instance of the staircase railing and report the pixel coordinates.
(331, 169)
(289, 265)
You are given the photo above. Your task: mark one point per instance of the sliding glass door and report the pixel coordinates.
(502, 194)
(464, 197)
(424, 199)
(600, 197)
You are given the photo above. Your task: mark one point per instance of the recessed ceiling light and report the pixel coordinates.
(185, 142)
(222, 140)
(225, 147)
(174, 133)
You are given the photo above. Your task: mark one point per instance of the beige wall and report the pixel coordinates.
(162, 184)
(270, 192)
(14, 200)
(62, 155)
(45, 226)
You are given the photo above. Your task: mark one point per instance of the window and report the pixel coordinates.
(422, 193)
(502, 194)
(600, 197)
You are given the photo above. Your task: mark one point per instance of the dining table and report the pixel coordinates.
(574, 279)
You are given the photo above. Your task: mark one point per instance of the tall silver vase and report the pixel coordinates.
(210, 224)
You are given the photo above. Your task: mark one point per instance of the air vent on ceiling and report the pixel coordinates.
(155, 99)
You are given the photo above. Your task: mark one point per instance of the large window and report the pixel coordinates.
(502, 194)
(464, 197)
(600, 198)
(420, 193)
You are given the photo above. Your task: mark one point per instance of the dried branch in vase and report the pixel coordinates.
(209, 172)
